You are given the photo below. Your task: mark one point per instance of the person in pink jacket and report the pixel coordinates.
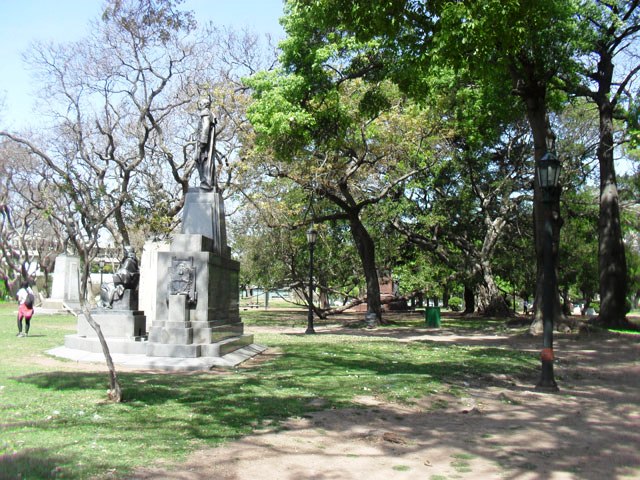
(25, 308)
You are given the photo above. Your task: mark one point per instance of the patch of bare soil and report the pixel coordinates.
(500, 428)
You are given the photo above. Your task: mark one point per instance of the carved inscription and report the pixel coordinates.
(182, 278)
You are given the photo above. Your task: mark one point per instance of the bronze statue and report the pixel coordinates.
(126, 277)
(205, 147)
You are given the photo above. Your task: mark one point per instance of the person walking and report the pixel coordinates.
(25, 308)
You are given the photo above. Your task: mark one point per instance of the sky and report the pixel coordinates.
(25, 21)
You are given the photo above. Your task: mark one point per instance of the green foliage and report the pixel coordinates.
(578, 244)
(280, 121)
(455, 304)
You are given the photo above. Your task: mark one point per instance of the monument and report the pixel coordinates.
(196, 314)
(121, 322)
(197, 311)
(65, 288)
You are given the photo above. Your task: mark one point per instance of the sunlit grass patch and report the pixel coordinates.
(55, 421)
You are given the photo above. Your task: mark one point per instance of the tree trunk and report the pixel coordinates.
(446, 295)
(115, 391)
(490, 301)
(611, 255)
(535, 101)
(323, 295)
(366, 251)
(469, 300)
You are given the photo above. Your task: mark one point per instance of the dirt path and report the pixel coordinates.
(500, 429)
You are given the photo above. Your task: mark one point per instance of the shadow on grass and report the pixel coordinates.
(305, 371)
(31, 463)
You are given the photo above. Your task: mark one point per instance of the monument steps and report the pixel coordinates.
(140, 346)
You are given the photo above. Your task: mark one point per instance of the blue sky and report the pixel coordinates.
(25, 21)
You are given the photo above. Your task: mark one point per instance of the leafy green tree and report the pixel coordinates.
(514, 46)
(350, 145)
(630, 218)
(459, 211)
(606, 66)
(579, 248)
(273, 251)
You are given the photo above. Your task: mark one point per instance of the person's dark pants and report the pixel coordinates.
(27, 324)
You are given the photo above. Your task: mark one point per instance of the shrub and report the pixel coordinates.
(455, 304)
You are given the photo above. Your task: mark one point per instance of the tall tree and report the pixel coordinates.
(499, 42)
(610, 34)
(459, 210)
(24, 231)
(351, 145)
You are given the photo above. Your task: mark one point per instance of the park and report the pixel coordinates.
(401, 242)
(402, 401)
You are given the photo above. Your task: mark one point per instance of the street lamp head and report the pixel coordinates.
(312, 236)
(101, 263)
(548, 170)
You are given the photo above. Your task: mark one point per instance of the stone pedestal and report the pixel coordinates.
(203, 214)
(66, 279)
(149, 276)
(196, 312)
(128, 301)
(123, 326)
(128, 324)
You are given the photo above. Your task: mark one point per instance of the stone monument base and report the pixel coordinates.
(114, 324)
(125, 333)
(140, 346)
(185, 350)
(128, 346)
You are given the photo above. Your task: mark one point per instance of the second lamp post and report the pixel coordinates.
(312, 236)
(548, 170)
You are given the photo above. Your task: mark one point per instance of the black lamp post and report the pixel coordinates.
(312, 236)
(548, 171)
(101, 263)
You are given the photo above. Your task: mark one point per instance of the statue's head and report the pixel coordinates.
(204, 103)
(129, 252)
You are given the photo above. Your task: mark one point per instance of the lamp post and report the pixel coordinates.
(548, 172)
(312, 236)
(101, 263)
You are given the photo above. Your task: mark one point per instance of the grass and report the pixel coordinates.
(461, 462)
(55, 421)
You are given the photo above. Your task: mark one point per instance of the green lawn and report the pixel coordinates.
(56, 423)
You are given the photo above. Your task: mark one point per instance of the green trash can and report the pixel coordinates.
(432, 317)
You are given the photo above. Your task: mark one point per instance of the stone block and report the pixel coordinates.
(174, 335)
(224, 347)
(216, 283)
(173, 350)
(178, 309)
(66, 279)
(128, 301)
(191, 243)
(118, 324)
(148, 277)
(203, 214)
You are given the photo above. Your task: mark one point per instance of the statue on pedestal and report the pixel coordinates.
(205, 147)
(126, 278)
